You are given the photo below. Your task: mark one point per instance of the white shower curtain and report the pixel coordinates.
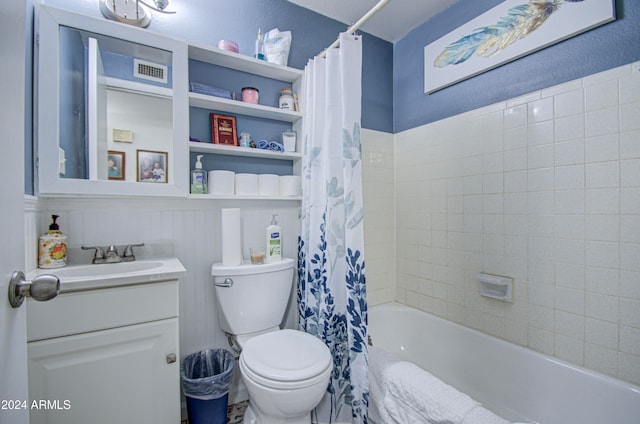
(331, 291)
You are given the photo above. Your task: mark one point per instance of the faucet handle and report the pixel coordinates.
(99, 253)
(128, 251)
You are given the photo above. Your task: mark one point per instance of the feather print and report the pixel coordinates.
(488, 41)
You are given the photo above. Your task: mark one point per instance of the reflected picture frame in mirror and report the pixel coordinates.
(151, 166)
(116, 165)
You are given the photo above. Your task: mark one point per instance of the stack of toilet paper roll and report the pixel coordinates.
(243, 184)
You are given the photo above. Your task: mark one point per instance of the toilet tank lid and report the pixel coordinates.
(287, 355)
(247, 268)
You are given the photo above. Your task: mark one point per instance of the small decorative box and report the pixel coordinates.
(229, 46)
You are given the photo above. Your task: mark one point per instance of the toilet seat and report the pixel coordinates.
(286, 359)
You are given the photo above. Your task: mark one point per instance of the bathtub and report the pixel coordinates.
(514, 382)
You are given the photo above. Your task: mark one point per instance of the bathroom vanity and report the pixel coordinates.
(106, 350)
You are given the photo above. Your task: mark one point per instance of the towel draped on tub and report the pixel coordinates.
(401, 392)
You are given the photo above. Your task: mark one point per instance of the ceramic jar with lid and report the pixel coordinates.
(286, 99)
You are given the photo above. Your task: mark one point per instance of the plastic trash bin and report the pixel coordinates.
(206, 380)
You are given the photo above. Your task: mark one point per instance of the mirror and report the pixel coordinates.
(107, 125)
(108, 104)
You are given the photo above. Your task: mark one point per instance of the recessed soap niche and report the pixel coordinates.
(496, 286)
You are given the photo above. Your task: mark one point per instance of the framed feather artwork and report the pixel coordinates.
(507, 32)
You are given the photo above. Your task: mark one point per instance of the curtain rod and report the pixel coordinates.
(353, 28)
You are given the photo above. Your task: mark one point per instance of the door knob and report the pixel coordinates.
(43, 287)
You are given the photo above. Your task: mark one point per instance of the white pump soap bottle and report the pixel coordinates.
(198, 178)
(274, 240)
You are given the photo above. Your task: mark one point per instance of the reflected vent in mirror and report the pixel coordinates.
(149, 71)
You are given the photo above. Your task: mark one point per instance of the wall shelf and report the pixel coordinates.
(243, 197)
(242, 108)
(221, 149)
(138, 87)
(215, 56)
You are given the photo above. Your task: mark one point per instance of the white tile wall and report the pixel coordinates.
(544, 188)
(379, 211)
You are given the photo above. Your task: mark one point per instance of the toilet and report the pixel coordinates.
(286, 372)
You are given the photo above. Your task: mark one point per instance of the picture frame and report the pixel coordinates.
(509, 31)
(116, 165)
(152, 166)
(223, 129)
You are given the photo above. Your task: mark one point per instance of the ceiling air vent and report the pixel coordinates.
(149, 71)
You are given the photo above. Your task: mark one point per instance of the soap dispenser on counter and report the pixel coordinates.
(274, 240)
(52, 247)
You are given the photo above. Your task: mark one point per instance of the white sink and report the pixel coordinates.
(92, 271)
(91, 277)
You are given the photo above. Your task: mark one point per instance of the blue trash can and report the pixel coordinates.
(206, 380)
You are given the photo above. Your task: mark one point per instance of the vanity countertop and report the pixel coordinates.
(93, 277)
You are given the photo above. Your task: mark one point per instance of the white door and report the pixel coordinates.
(13, 339)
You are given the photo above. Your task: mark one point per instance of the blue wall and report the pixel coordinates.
(605, 47)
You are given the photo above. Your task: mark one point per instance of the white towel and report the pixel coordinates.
(413, 389)
(401, 392)
(379, 362)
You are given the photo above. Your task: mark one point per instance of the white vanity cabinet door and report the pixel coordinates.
(119, 375)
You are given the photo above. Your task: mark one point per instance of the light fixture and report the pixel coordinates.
(133, 12)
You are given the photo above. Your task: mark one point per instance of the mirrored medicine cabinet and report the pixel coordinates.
(109, 98)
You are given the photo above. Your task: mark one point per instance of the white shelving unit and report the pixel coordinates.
(240, 63)
(57, 175)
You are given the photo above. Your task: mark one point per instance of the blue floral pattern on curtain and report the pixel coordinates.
(331, 291)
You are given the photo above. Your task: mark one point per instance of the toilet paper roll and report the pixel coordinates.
(268, 185)
(290, 185)
(231, 236)
(247, 184)
(221, 182)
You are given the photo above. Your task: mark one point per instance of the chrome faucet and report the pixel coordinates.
(112, 256)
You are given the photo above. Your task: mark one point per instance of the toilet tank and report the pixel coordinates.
(252, 298)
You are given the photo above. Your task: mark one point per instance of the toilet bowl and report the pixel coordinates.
(286, 373)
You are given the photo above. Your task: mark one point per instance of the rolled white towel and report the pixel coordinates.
(401, 392)
(379, 363)
(426, 395)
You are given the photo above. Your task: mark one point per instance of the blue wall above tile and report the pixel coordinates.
(605, 47)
